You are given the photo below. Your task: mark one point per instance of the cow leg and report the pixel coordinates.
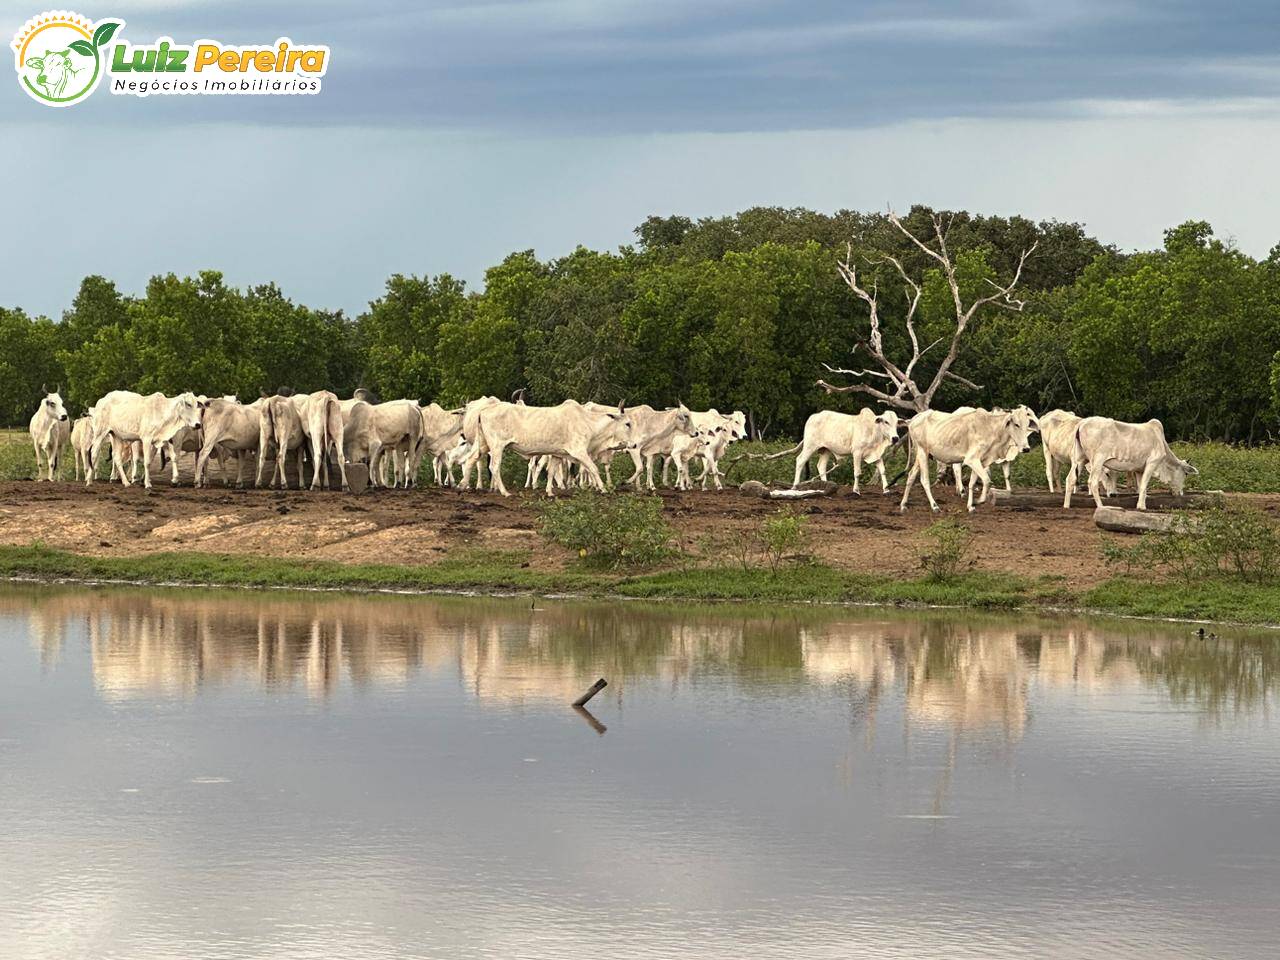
(802, 461)
(648, 471)
(148, 450)
(1048, 467)
(495, 468)
(919, 469)
(926, 482)
(173, 462)
(977, 472)
(1069, 484)
(1008, 485)
(636, 461)
(284, 480)
(1095, 485)
(1142, 485)
(240, 470)
(202, 464)
(857, 473)
(317, 462)
(824, 463)
(957, 469)
(584, 461)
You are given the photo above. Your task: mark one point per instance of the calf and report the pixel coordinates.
(50, 432)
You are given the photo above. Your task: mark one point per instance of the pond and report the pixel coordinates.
(225, 775)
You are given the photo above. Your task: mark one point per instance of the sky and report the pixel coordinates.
(450, 133)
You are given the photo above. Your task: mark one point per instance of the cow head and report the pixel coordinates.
(1173, 472)
(887, 425)
(55, 70)
(684, 420)
(53, 404)
(1019, 432)
(737, 425)
(186, 408)
(1028, 416)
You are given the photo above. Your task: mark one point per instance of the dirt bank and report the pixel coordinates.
(420, 526)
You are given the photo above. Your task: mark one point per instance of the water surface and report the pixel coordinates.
(239, 775)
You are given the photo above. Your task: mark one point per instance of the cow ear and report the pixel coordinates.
(37, 62)
(622, 406)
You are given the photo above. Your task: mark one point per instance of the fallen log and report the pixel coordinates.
(810, 488)
(1120, 520)
(1082, 500)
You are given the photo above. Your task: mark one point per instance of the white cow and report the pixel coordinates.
(441, 430)
(735, 428)
(229, 427)
(1026, 417)
(1104, 445)
(975, 439)
(321, 418)
(684, 447)
(455, 456)
(152, 421)
(395, 426)
(477, 448)
(568, 430)
(652, 434)
(1057, 441)
(280, 428)
(81, 437)
(50, 432)
(866, 436)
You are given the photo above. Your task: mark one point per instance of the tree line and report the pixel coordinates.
(737, 312)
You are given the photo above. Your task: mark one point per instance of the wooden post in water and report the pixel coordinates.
(595, 688)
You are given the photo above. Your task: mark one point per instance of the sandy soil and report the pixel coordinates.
(1031, 535)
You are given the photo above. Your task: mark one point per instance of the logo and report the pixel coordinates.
(61, 56)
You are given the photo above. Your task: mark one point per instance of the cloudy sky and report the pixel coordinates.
(451, 132)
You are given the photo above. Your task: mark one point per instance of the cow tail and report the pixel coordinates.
(1077, 448)
(333, 424)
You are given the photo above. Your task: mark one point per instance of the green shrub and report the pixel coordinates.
(782, 532)
(1231, 540)
(947, 549)
(608, 530)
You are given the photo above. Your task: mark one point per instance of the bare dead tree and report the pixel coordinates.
(900, 387)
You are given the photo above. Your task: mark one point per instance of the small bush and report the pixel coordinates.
(612, 530)
(947, 549)
(1226, 540)
(782, 532)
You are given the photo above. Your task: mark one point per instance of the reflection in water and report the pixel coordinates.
(238, 775)
(960, 674)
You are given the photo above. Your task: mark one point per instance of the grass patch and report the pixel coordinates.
(813, 582)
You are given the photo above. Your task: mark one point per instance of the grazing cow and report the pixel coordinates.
(975, 439)
(569, 430)
(229, 427)
(321, 418)
(866, 436)
(151, 421)
(652, 434)
(1104, 445)
(279, 427)
(50, 432)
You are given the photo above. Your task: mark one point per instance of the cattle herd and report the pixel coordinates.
(568, 444)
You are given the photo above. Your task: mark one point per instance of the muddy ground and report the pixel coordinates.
(1031, 535)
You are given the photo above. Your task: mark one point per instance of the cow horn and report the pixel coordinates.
(44, 388)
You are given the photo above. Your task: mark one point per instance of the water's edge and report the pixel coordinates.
(615, 597)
